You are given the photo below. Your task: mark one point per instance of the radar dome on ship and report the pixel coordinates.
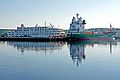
(83, 22)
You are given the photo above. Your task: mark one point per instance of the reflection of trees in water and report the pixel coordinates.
(36, 46)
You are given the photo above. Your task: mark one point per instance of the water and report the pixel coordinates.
(60, 60)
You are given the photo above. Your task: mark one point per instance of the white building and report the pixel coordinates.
(36, 32)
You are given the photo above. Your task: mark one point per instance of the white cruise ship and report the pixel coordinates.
(36, 32)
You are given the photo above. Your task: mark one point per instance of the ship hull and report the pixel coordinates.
(80, 37)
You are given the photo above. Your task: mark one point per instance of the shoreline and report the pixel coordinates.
(35, 39)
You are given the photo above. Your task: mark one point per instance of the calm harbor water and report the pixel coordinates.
(60, 60)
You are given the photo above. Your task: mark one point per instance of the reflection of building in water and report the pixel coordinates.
(77, 53)
(36, 46)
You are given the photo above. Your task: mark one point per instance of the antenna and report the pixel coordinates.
(110, 27)
(45, 23)
(58, 26)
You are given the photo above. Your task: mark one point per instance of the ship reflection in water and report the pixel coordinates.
(77, 49)
(86, 60)
(77, 52)
(36, 46)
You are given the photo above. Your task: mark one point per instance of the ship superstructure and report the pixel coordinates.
(77, 31)
(36, 32)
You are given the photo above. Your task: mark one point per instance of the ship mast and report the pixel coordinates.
(110, 27)
(77, 16)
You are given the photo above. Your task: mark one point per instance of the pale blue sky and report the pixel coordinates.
(97, 13)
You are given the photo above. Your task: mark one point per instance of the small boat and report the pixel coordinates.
(77, 31)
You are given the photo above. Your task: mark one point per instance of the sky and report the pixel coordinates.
(97, 13)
